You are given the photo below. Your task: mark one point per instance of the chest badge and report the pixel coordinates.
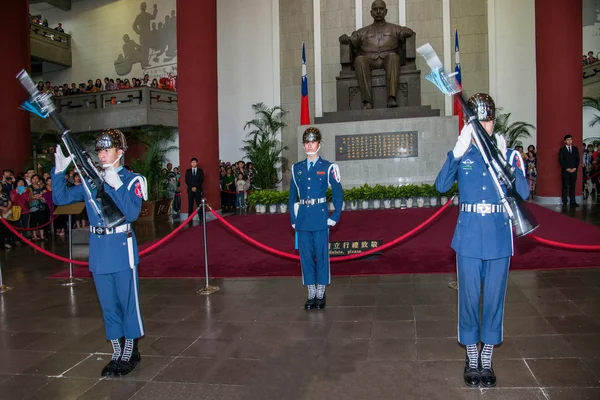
(467, 164)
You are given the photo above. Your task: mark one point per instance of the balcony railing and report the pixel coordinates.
(123, 108)
(50, 45)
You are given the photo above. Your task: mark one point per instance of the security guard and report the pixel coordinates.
(310, 217)
(113, 255)
(482, 240)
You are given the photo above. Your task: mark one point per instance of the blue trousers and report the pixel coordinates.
(314, 257)
(473, 274)
(119, 301)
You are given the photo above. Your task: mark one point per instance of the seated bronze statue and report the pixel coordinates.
(376, 47)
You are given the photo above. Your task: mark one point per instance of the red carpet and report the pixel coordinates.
(427, 252)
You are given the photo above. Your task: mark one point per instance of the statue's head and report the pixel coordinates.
(143, 6)
(126, 38)
(378, 10)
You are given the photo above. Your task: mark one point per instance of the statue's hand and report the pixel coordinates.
(344, 39)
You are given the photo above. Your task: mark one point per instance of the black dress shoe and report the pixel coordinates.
(574, 205)
(488, 377)
(471, 375)
(310, 304)
(111, 368)
(128, 365)
(321, 303)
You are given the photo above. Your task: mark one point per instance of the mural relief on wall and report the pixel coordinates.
(156, 45)
(591, 26)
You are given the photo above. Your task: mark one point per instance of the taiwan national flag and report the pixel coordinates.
(304, 111)
(457, 107)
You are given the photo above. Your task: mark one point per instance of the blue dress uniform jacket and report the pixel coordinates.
(483, 243)
(108, 253)
(313, 184)
(113, 257)
(480, 236)
(311, 219)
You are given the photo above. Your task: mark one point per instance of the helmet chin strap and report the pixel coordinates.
(106, 166)
(312, 153)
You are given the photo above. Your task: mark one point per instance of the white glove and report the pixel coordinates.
(464, 141)
(331, 222)
(61, 162)
(501, 142)
(294, 226)
(112, 178)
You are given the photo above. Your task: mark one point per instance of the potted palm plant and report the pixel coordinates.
(283, 200)
(366, 193)
(512, 132)
(377, 195)
(350, 196)
(429, 191)
(158, 142)
(410, 191)
(389, 195)
(396, 196)
(263, 146)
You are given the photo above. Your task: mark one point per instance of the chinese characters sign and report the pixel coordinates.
(376, 145)
(352, 247)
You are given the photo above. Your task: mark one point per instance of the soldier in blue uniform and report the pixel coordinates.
(483, 242)
(113, 256)
(310, 217)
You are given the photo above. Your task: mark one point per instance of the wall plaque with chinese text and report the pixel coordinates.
(348, 247)
(376, 145)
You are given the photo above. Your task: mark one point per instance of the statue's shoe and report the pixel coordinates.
(367, 106)
(392, 102)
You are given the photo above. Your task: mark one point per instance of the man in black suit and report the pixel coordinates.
(194, 177)
(568, 157)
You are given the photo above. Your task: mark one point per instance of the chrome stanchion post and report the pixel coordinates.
(3, 288)
(70, 281)
(207, 289)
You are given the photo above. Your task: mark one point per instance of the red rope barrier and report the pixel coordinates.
(226, 191)
(60, 258)
(38, 248)
(37, 228)
(566, 246)
(334, 259)
(170, 235)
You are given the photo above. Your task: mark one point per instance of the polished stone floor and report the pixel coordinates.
(381, 337)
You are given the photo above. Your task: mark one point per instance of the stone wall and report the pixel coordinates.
(295, 26)
(425, 18)
(337, 18)
(471, 20)
(437, 135)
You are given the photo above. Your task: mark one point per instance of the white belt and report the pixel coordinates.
(312, 202)
(99, 230)
(482, 208)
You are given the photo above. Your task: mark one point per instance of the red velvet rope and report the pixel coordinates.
(340, 258)
(226, 191)
(60, 258)
(566, 246)
(38, 227)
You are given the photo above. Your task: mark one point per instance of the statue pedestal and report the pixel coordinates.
(377, 114)
(435, 137)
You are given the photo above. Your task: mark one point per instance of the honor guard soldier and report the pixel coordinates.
(483, 242)
(310, 217)
(113, 256)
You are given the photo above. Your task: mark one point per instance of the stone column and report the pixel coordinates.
(197, 94)
(15, 151)
(558, 43)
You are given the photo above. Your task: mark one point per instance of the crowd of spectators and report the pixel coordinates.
(237, 180)
(26, 201)
(530, 160)
(37, 19)
(589, 59)
(108, 84)
(589, 164)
